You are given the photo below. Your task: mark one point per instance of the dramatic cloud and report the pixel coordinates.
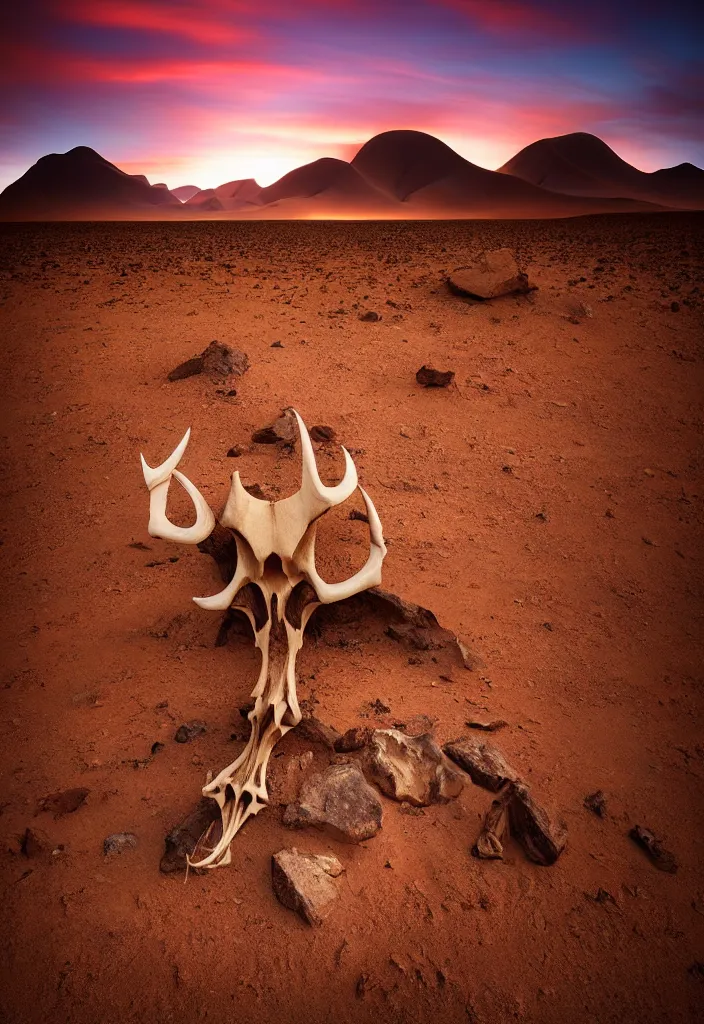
(209, 90)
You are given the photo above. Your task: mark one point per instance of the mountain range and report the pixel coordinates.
(396, 175)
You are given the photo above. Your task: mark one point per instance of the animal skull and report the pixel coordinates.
(277, 587)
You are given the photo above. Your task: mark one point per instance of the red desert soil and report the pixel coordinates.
(547, 507)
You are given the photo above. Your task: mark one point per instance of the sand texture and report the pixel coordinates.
(546, 505)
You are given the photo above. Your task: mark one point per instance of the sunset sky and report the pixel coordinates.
(205, 92)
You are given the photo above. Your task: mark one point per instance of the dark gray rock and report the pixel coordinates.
(218, 361)
(484, 764)
(189, 731)
(540, 833)
(119, 842)
(312, 729)
(184, 837)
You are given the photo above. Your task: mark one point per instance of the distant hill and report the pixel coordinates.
(396, 175)
(327, 182)
(184, 192)
(81, 184)
(421, 171)
(583, 165)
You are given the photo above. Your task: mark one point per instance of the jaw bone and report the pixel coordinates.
(277, 586)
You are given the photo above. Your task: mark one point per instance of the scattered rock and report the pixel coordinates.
(542, 836)
(217, 361)
(340, 802)
(36, 845)
(378, 707)
(235, 452)
(321, 434)
(429, 378)
(283, 430)
(312, 729)
(360, 517)
(369, 317)
(304, 882)
(675, 307)
(496, 273)
(189, 731)
(484, 764)
(660, 858)
(596, 803)
(183, 838)
(411, 768)
(156, 747)
(601, 896)
(493, 726)
(119, 842)
(489, 845)
(422, 619)
(354, 739)
(277, 344)
(64, 803)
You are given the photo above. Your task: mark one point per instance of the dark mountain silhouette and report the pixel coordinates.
(421, 171)
(327, 182)
(583, 165)
(185, 192)
(397, 174)
(81, 183)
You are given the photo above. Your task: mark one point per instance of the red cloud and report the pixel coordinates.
(508, 17)
(192, 20)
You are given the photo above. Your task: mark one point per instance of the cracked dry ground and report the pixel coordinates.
(547, 507)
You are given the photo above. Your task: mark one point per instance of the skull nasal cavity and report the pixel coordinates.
(273, 565)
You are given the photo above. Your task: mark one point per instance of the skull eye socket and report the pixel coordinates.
(251, 598)
(301, 595)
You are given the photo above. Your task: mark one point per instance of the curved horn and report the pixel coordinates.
(158, 480)
(312, 484)
(245, 570)
(368, 576)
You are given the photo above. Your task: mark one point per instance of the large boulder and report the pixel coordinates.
(340, 802)
(495, 273)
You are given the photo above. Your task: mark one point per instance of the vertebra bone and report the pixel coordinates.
(277, 586)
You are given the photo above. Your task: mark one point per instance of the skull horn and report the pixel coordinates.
(312, 485)
(368, 576)
(158, 480)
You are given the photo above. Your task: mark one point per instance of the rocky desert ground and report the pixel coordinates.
(547, 506)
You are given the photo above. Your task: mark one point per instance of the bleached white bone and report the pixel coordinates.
(158, 480)
(264, 589)
(368, 576)
(312, 484)
(245, 571)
